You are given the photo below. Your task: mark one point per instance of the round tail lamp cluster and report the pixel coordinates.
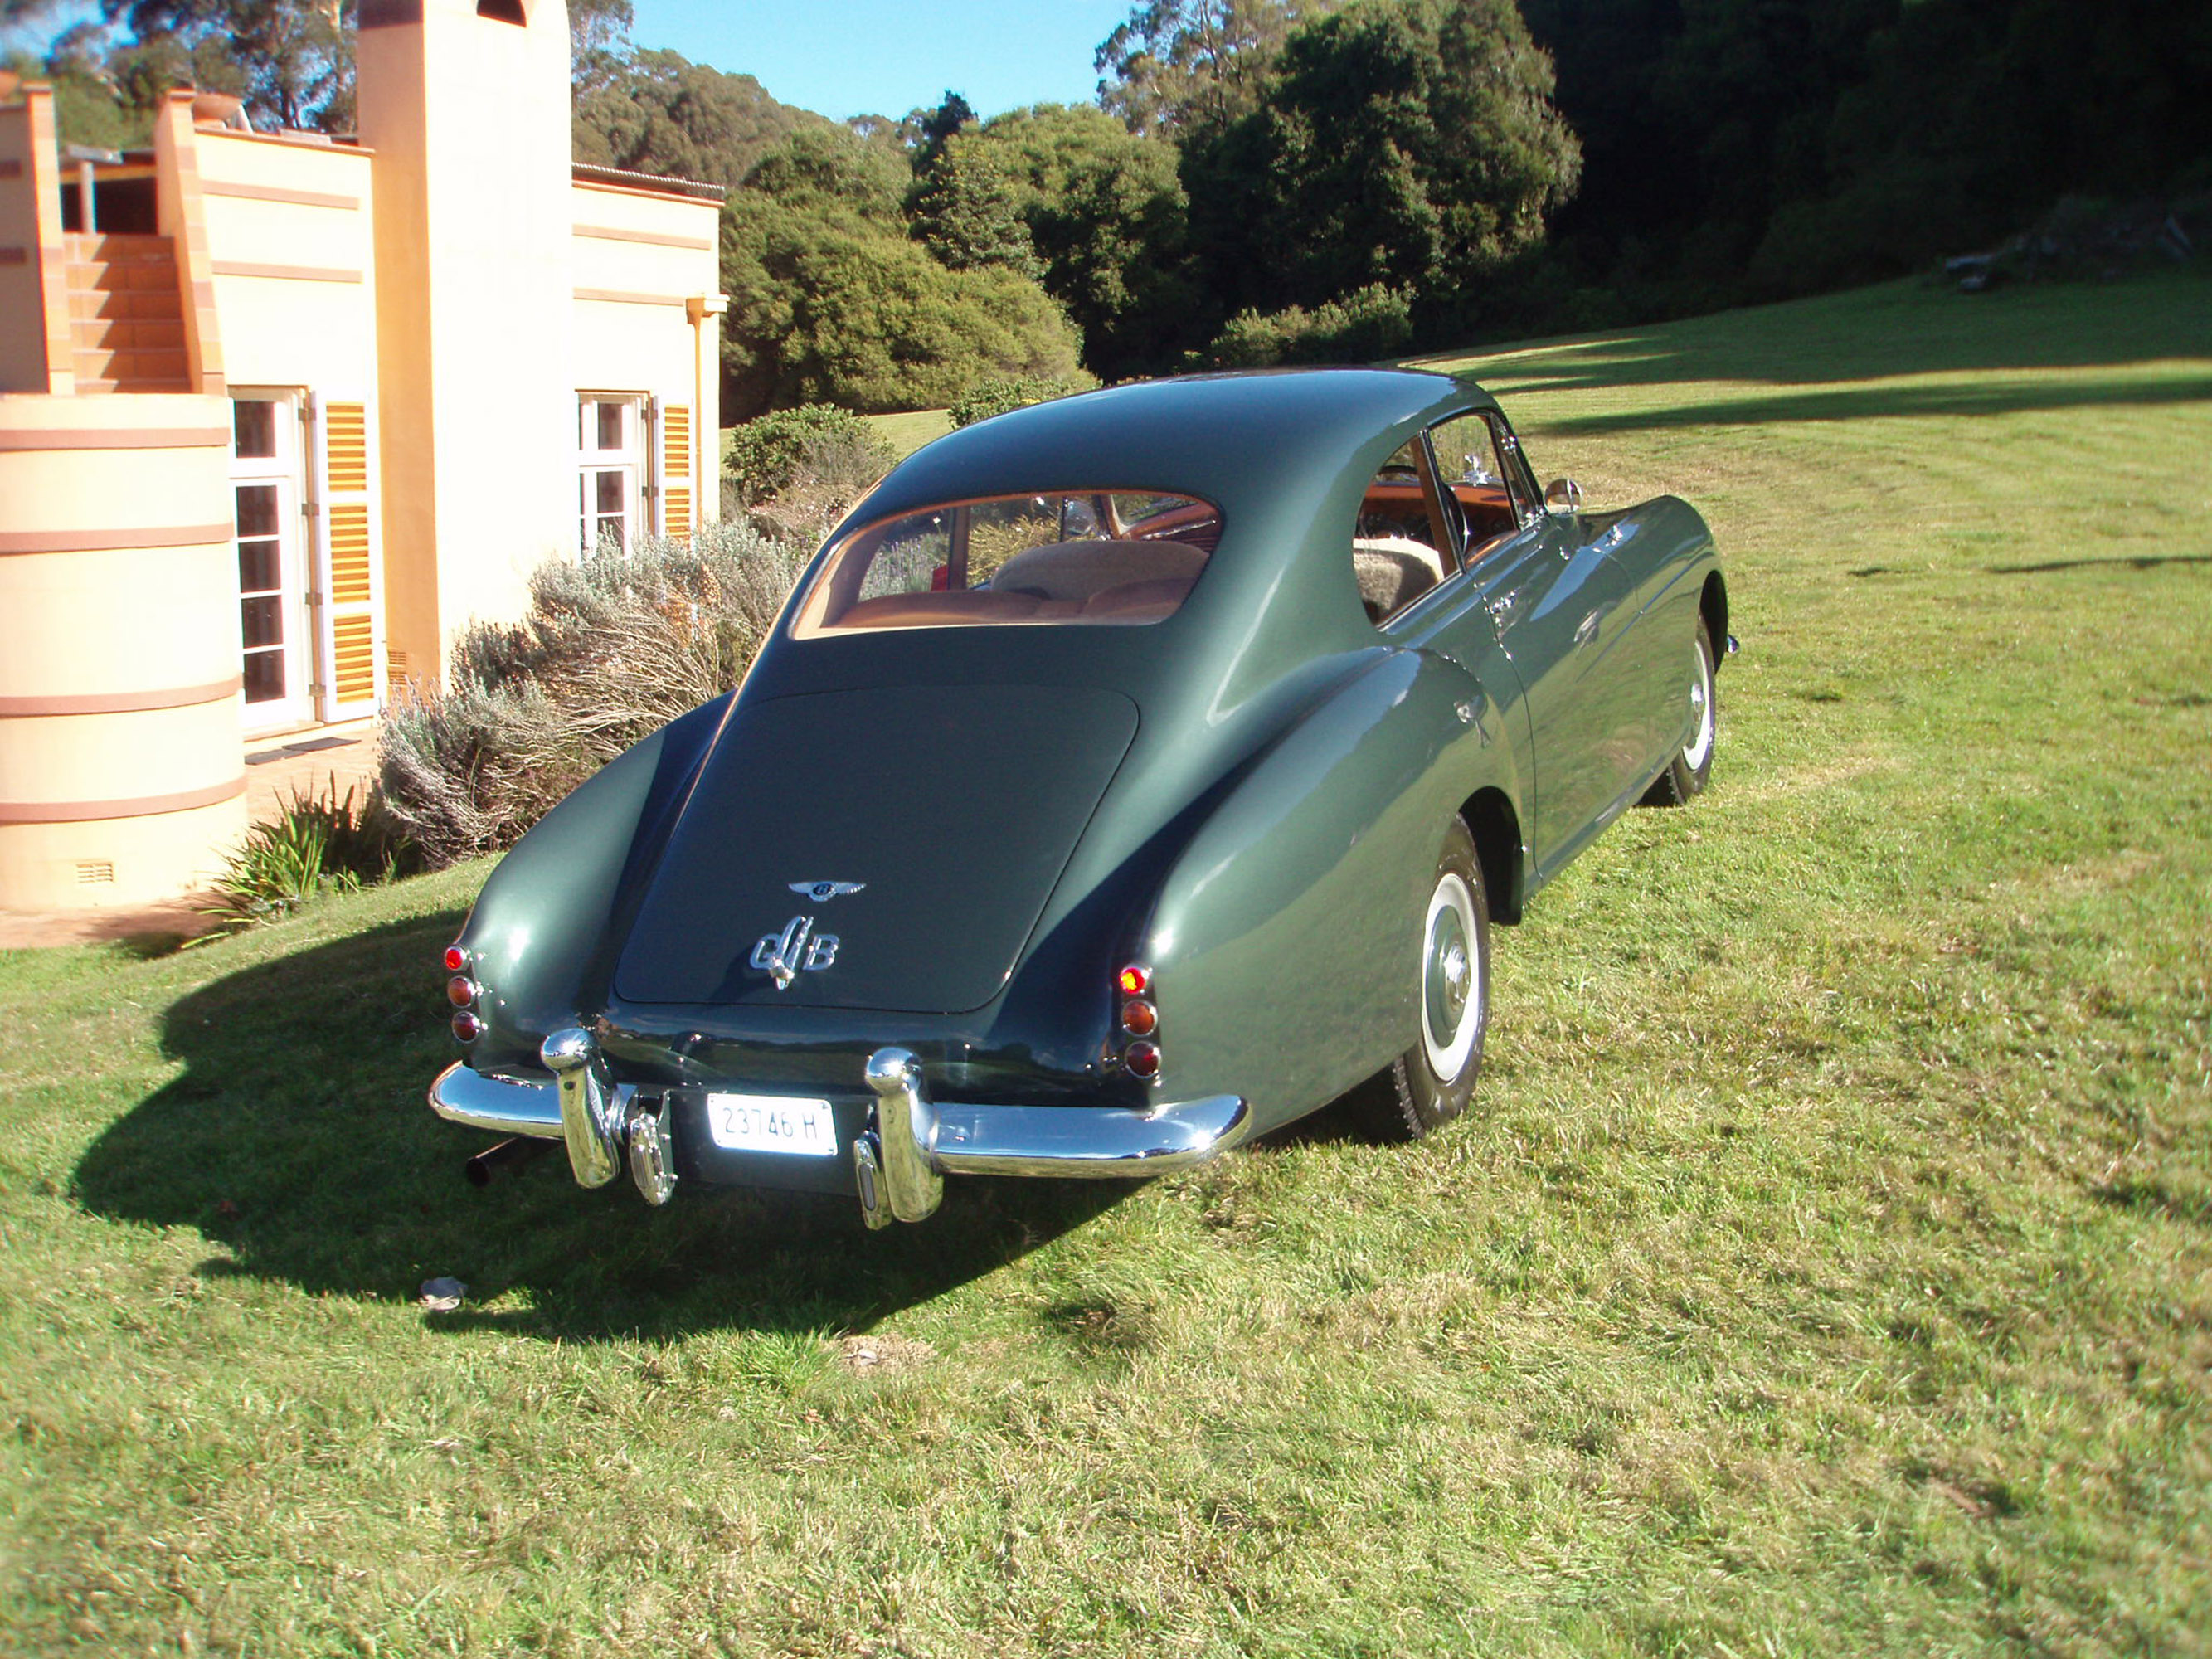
(1140, 1022)
(463, 993)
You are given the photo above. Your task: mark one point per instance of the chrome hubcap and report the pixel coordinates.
(1451, 992)
(1456, 974)
(1701, 709)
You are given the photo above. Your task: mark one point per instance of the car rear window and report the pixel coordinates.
(1095, 557)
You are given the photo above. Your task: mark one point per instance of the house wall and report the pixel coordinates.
(443, 294)
(34, 343)
(469, 116)
(647, 268)
(121, 774)
(290, 237)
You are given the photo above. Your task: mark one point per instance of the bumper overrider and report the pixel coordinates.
(899, 1159)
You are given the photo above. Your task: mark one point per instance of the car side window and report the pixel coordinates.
(1474, 463)
(1520, 480)
(1404, 543)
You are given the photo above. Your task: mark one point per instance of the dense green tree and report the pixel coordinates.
(1745, 148)
(87, 109)
(831, 301)
(925, 132)
(657, 111)
(1410, 143)
(1972, 117)
(293, 59)
(1183, 65)
(1749, 87)
(968, 210)
(1106, 216)
(597, 29)
(826, 170)
(1635, 168)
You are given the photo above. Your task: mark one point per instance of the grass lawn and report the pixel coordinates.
(904, 433)
(1826, 1267)
(908, 432)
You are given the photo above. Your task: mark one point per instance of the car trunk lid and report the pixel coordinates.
(885, 848)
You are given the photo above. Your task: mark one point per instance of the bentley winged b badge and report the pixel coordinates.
(798, 948)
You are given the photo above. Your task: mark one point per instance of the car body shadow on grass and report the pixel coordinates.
(298, 1141)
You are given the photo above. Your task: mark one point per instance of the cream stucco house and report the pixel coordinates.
(280, 415)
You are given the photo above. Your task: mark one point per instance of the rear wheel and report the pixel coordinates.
(1685, 774)
(1429, 1083)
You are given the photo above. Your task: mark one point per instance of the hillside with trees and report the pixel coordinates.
(1264, 180)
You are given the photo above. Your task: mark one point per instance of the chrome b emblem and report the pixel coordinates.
(798, 949)
(822, 891)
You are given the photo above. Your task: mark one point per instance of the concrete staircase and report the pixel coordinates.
(126, 320)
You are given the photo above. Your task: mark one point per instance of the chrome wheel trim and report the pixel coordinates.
(1700, 745)
(1451, 978)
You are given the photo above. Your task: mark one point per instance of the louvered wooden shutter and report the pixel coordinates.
(675, 470)
(352, 624)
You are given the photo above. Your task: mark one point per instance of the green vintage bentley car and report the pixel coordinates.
(1128, 777)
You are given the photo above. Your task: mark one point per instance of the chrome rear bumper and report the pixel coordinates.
(899, 1160)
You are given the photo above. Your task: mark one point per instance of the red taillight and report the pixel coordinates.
(461, 990)
(456, 959)
(1135, 980)
(1139, 1018)
(1143, 1059)
(467, 1027)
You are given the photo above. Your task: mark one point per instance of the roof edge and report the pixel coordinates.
(696, 189)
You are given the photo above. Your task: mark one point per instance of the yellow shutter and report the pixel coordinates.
(676, 470)
(352, 624)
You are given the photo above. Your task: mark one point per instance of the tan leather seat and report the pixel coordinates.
(1136, 602)
(1079, 570)
(1392, 572)
(940, 610)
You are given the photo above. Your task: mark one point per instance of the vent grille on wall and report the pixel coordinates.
(95, 873)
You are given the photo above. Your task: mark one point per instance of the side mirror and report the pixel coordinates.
(1563, 497)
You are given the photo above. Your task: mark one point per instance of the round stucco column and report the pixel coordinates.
(121, 772)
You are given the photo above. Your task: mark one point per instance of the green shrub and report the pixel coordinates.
(832, 472)
(767, 453)
(1374, 322)
(611, 650)
(321, 841)
(1007, 392)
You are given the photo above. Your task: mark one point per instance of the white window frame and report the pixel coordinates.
(285, 472)
(627, 465)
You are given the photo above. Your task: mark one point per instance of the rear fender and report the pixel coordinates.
(542, 937)
(1285, 941)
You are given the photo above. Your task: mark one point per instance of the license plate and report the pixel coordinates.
(772, 1123)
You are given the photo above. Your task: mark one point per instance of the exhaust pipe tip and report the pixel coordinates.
(515, 1154)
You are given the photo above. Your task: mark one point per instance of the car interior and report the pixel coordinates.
(1106, 557)
(1408, 539)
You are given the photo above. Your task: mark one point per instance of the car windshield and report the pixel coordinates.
(1113, 557)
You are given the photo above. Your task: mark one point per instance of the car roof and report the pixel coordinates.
(1287, 455)
(1220, 437)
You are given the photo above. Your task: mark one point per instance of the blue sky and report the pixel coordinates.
(846, 58)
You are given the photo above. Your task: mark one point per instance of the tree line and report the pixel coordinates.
(1276, 180)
